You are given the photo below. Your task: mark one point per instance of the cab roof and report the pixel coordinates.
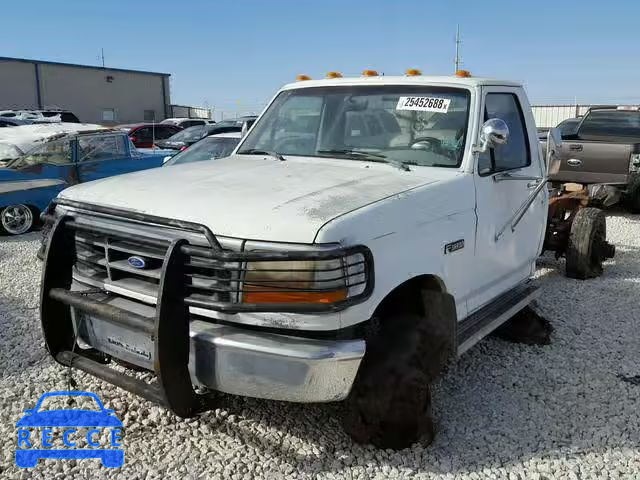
(449, 80)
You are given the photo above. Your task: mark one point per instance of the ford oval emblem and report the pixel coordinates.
(137, 262)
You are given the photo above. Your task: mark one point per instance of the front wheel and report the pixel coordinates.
(390, 402)
(17, 219)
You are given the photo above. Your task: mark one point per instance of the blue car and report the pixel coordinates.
(28, 183)
(70, 419)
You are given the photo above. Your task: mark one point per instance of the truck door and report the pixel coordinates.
(505, 177)
(100, 156)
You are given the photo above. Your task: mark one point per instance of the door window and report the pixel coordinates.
(100, 147)
(57, 152)
(515, 153)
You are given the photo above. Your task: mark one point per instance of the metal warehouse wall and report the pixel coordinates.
(548, 116)
(86, 91)
(17, 85)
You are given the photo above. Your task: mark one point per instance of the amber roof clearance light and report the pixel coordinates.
(463, 73)
(302, 77)
(369, 73)
(413, 72)
(334, 75)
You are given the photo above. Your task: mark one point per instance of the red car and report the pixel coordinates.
(144, 135)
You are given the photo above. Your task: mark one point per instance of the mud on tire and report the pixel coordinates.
(587, 243)
(390, 402)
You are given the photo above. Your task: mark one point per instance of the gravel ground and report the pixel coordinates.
(504, 411)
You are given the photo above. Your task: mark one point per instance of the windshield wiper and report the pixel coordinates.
(374, 157)
(257, 151)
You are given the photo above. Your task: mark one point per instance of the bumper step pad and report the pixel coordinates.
(173, 388)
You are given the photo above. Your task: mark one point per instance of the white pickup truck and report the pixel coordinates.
(363, 230)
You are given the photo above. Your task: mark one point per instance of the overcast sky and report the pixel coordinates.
(232, 56)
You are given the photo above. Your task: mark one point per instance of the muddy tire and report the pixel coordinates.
(633, 195)
(390, 403)
(587, 247)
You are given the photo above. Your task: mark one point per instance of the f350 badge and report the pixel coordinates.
(453, 246)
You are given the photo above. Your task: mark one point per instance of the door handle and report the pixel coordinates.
(574, 162)
(576, 147)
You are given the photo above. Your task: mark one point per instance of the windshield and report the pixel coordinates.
(614, 123)
(8, 152)
(190, 134)
(206, 149)
(413, 125)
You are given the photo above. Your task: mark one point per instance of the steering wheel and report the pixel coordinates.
(430, 144)
(291, 144)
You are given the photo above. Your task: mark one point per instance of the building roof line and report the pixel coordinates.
(77, 65)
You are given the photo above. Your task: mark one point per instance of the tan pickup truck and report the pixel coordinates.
(604, 153)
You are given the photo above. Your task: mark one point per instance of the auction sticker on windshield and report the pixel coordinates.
(424, 104)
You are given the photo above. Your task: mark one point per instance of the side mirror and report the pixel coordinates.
(494, 132)
(552, 153)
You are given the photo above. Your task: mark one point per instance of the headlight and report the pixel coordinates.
(634, 163)
(304, 281)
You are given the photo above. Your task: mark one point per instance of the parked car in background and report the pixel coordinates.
(145, 135)
(12, 122)
(29, 182)
(566, 127)
(209, 148)
(187, 122)
(40, 116)
(603, 152)
(237, 122)
(18, 140)
(180, 142)
(187, 137)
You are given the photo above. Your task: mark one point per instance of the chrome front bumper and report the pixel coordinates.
(277, 367)
(238, 360)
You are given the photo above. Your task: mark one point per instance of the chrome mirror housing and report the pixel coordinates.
(552, 153)
(494, 132)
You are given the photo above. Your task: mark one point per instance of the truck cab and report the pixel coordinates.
(363, 231)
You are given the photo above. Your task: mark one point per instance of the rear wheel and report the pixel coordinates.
(633, 195)
(390, 402)
(17, 219)
(587, 246)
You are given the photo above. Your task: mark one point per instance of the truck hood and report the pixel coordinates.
(256, 197)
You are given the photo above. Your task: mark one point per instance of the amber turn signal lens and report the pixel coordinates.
(252, 295)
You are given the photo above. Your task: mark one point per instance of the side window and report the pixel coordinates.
(165, 132)
(57, 152)
(515, 153)
(143, 134)
(100, 148)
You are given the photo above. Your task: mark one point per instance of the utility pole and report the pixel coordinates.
(102, 56)
(457, 61)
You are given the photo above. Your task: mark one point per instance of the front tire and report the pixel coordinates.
(390, 402)
(17, 219)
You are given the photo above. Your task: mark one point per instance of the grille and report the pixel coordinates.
(299, 279)
(104, 258)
